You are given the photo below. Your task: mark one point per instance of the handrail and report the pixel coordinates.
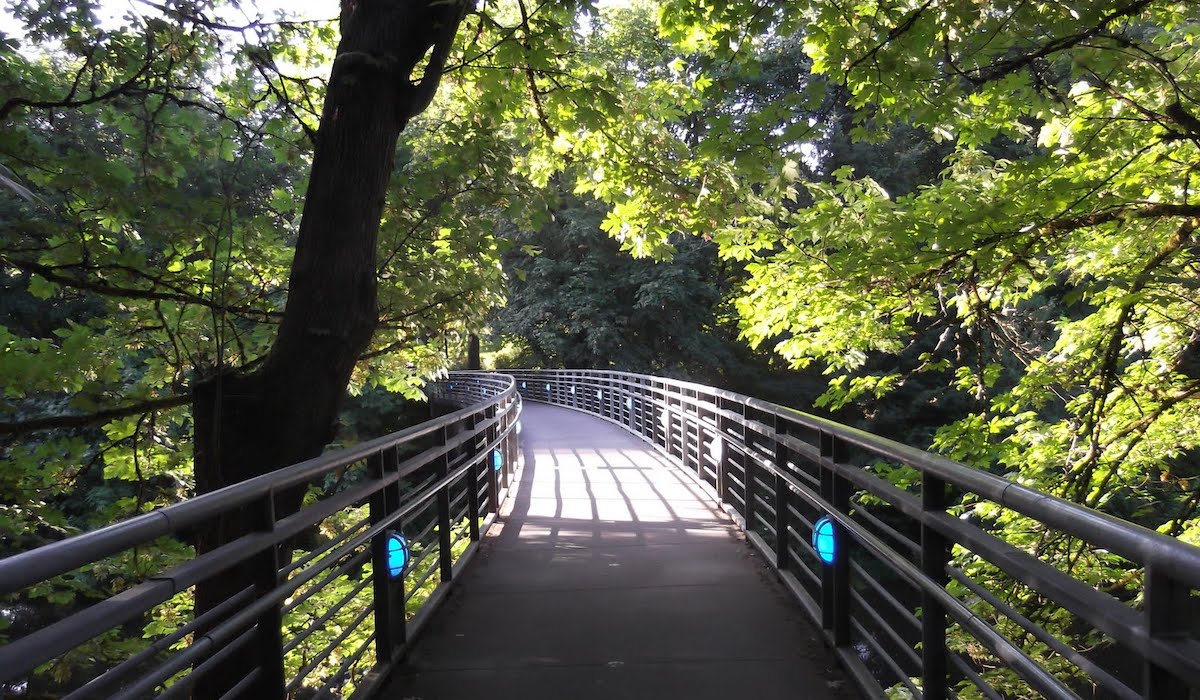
(776, 470)
(449, 456)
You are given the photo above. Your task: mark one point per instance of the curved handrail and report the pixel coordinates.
(453, 454)
(777, 469)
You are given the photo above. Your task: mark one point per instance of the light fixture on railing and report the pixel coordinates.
(547, 386)
(497, 460)
(599, 395)
(572, 390)
(522, 385)
(397, 554)
(629, 403)
(822, 540)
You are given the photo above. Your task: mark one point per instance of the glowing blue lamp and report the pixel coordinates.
(522, 385)
(547, 387)
(822, 540)
(572, 391)
(397, 554)
(497, 460)
(629, 403)
(599, 394)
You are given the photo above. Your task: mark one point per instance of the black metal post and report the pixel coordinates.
(934, 554)
(748, 459)
(445, 556)
(723, 456)
(390, 632)
(782, 498)
(493, 482)
(269, 636)
(473, 477)
(835, 577)
(1170, 614)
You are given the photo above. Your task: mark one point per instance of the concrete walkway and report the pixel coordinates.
(611, 575)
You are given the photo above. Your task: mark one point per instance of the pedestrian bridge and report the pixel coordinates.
(608, 535)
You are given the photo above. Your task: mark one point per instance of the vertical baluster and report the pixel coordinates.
(934, 554)
(782, 498)
(723, 430)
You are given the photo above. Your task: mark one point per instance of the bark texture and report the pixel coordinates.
(247, 424)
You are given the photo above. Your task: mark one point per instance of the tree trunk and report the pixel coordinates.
(286, 410)
(473, 360)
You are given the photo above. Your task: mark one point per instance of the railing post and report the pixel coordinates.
(835, 577)
(445, 556)
(722, 452)
(1170, 614)
(492, 477)
(271, 682)
(473, 478)
(934, 554)
(748, 463)
(782, 499)
(390, 618)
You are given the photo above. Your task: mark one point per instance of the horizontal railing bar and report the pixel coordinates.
(971, 675)
(881, 625)
(24, 569)
(180, 687)
(114, 674)
(887, 659)
(316, 624)
(331, 573)
(329, 649)
(802, 566)
(1107, 614)
(429, 571)
(349, 662)
(886, 595)
(325, 547)
(1178, 559)
(243, 685)
(893, 534)
(1104, 678)
(200, 648)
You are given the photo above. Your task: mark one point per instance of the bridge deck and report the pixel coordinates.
(611, 575)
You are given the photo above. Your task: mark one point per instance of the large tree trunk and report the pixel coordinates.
(286, 410)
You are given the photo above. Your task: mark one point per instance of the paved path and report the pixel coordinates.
(611, 576)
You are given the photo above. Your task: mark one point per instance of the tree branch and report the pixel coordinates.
(84, 420)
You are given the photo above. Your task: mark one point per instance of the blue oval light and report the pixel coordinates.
(629, 403)
(599, 394)
(522, 385)
(572, 391)
(822, 540)
(547, 387)
(497, 460)
(397, 554)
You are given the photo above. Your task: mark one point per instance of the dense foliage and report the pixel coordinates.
(979, 217)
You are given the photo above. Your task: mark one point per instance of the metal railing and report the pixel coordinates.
(327, 620)
(884, 603)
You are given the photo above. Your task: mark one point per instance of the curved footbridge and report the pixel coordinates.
(613, 574)
(660, 539)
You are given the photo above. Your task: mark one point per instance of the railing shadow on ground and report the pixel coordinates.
(888, 592)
